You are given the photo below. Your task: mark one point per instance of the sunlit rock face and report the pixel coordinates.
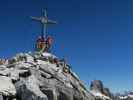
(99, 91)
(36, 76)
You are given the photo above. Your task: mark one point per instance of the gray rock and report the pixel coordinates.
(28, 89)
(107, 92)
(1, 97)
(6, 87)
(97, 85)
(32, 77)
(99, 91)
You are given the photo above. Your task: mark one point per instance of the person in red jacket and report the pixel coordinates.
(49, 43)
(40, 43)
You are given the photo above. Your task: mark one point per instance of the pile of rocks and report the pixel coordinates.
(32, 76)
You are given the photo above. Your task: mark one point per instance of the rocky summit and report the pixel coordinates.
(99, 91)
(36, 76)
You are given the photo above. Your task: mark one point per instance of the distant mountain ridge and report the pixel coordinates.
(127, 95)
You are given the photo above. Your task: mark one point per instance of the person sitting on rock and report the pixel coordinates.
(41, 45)
(49, 42)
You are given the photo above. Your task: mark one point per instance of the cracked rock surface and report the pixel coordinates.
(34, 76)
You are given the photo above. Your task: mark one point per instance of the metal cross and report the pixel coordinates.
(44, 22)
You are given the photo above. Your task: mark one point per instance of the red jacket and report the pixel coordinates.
(49, 41)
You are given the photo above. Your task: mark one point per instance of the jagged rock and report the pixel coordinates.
(107, 92)
(34, 76)
(4, 71)
(28, 89)
(45, 75)
(99, 91)
(1, 97)
(12, 60)
(24, 73)
(97, 85)
(23, 65)
(6, 87)
(2, 67)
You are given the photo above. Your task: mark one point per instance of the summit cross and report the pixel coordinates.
(44, 22)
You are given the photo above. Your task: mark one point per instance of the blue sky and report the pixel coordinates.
(95, 36)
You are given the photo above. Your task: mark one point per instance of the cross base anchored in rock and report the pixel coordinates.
(41, 44)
